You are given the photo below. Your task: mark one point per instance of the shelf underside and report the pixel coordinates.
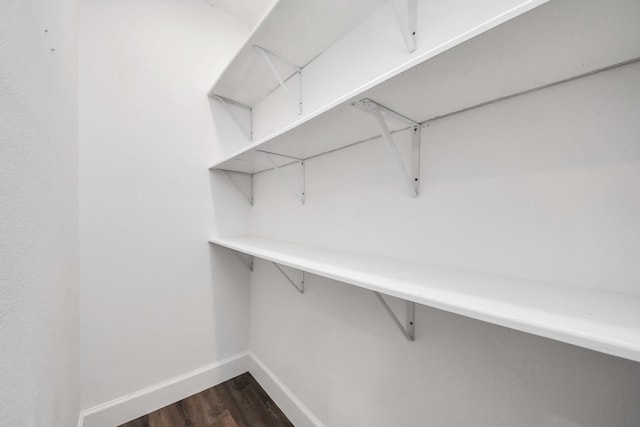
(297, 31)
(601, 321)
(547, 45)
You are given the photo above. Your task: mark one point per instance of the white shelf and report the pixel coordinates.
(548, 44)
(601, 321)
(297, 31)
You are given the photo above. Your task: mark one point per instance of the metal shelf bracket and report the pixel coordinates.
(411, 176)
(409, 330)
(249, 195)
(248, 263)
(406, 12)
(299, 194)
(244, 121)
(268, 56)
(246, 259)
(299, 287)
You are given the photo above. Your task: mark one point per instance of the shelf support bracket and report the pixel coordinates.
(299, 287)
(242, 192)
(244, 123)
(296, 102)
(299, 194)
(410, 177)
(407, 21)
(248, 263)
(409, 330)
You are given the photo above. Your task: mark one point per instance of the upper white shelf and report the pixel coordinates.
(601, 321)
(297, 31)
(546, 45)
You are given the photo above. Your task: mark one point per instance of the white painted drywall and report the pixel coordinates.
(543, 187)
(39, 353)
(155, 302)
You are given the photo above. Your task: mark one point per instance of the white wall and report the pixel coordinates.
(39, 353)
(155, 302)
(543, 186)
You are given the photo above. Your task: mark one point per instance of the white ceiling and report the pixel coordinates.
(248, 11)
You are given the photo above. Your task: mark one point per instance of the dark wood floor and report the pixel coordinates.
(239, 402)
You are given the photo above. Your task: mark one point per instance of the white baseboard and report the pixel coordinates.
(134, 405)
(293, 408)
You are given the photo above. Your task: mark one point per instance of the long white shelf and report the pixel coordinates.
(602, 321)
(546, 45)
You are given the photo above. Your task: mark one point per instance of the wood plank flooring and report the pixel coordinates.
(239, 402)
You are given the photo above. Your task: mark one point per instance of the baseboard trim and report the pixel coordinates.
(134, 405)
(286, 400)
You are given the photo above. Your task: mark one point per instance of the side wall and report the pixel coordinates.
(543, 186)
(39, 353)
(155, 303)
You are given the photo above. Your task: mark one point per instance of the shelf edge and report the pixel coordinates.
(603, 344)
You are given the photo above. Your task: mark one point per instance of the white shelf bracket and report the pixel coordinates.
(299, 287)
(244, 121)
(238, 188)
(248, 263)
(411, 176)
(296, 101)
(299, 194)
(406, 12)
(409, 330)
